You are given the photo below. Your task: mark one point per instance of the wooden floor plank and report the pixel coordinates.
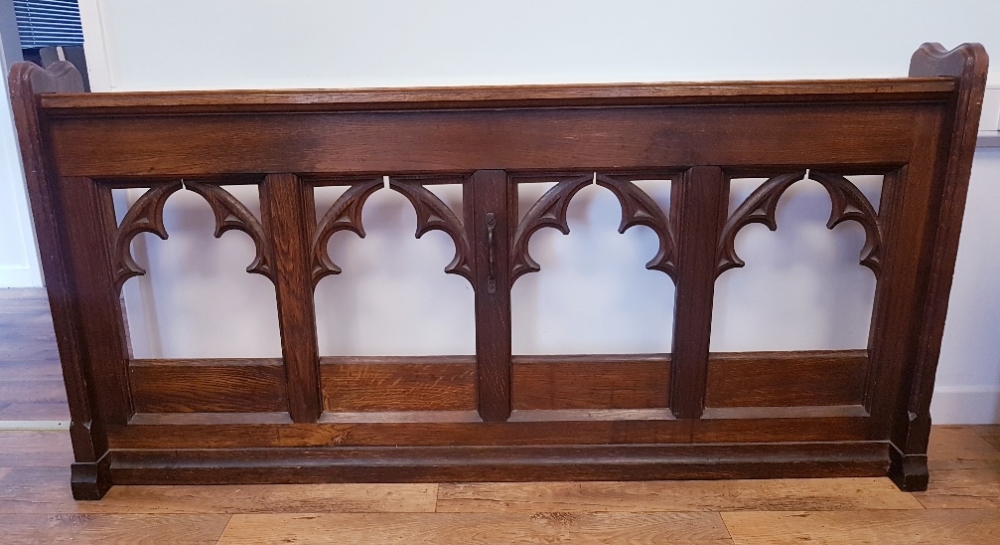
(112, 529)
(910, 527)
(318, 498)
(46, 490)
(954, 447)
(3, 472)
(33, 391)
(465, 529)
(35, 449)
(991, 434)
(968, 488)
(35, 411)
(763, 495)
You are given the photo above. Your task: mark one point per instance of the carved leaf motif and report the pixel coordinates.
(343, 215)
(848, 203)
(548, 211)
(230, 214)
(434, 214)
(145, 216)
(638, 208)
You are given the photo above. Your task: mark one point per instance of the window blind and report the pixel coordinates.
(48, 23)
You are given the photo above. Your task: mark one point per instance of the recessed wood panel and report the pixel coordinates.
(819, 135)
(208, 386)
(446, 383)
(786, 379)
(591, 382)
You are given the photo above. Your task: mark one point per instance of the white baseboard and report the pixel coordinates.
(19, 277)
(965, 405)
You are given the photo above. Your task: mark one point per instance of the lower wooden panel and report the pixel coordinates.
(448, 383)
(565, 428)
(591, 382)
(786, 379)
(208, 385)
(415, 464)
(434, 383)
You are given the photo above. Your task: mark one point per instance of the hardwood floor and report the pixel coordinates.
(962, 505)
(31, 387)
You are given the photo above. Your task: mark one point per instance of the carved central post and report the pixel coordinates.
(487, 200)
(288, 214)
(699, 205)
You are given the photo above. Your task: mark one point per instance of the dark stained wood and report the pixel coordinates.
(489, 199)
(494, 416)
(26, 81)
(415, 464)
(874, 135)
(786, 379)
(872, 90)
(699, 202)
(969, 65)
(186, 386)
(591, 382)
(446, 383)
(287, 209)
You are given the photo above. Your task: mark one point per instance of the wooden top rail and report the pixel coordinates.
(656, 94)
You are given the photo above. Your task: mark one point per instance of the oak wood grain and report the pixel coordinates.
(446, 383)
(909, 527)
(797, 414)
(591, 382)
(113, 529)
(35, 449)
(455, 528)
(786, 379)
(742, 495)
(975, 487)
(887, 90)
(208, 385)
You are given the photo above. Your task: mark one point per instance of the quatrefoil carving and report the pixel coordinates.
(146, 216)
(551, 209)
(432, 215)
(848, 203)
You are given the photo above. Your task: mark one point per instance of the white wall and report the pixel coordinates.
(393, 298)
(19, 265)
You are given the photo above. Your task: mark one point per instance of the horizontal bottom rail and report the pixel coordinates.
(422, 464)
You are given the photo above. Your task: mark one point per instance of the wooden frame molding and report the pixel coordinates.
(494, 415)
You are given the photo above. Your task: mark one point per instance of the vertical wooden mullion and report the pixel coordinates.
(90, 231)
(286, 210)
(699, 204)
(488, 193)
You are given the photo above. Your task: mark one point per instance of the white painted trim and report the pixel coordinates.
(21, 269)
(966, 405)
(94, 45)
(989, 122)
(33, 425)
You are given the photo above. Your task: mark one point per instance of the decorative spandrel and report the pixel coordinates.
(146, 216)
(847, 203)
(638, 208)
(231, 214)
(432, 215)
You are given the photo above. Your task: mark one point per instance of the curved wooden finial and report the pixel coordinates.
(145, 216)
(59, 77)
(231, 214)
(847, 203)
(968, 60)
(548, 211)
(343, 215)
(433, 214)
(638, 208)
